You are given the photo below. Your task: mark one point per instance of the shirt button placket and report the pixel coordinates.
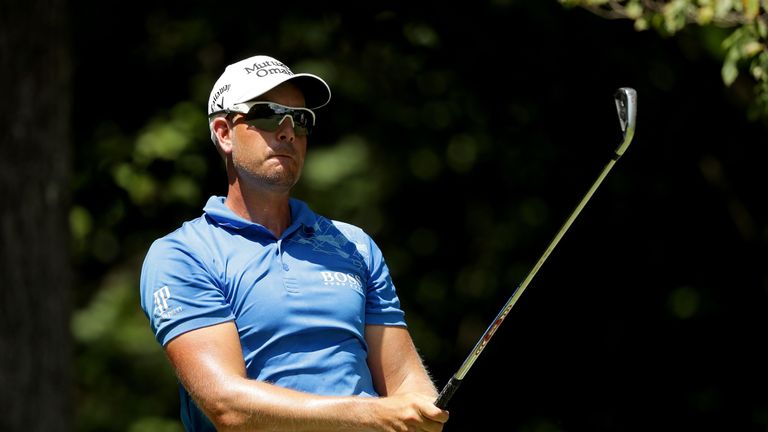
(291, 283)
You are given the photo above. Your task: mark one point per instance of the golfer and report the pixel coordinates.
(272, 316)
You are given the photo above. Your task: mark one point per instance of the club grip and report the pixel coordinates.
(447, 393)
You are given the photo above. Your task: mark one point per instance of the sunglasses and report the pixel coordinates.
(268, 116)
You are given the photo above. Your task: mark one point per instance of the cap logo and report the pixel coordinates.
(263, 69)
(216, 97)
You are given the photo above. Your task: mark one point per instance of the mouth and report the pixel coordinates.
(283, 159)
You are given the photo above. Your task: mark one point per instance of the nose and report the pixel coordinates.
(286, 131)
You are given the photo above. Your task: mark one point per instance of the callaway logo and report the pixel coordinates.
(216, 96)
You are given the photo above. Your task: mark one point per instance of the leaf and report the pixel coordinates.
(723, 7)
(752, 48)
(641, 24)
(729, 72)
(634, 10)
(704, 15)
(762, 27)
(675, 15)
(751, 8)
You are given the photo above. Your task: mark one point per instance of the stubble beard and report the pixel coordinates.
(271, 175)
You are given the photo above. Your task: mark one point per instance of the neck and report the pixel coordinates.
(270, 210)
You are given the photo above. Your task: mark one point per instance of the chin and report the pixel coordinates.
(282, 181)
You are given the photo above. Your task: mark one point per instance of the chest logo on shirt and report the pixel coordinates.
(341, 279)
(327, 239)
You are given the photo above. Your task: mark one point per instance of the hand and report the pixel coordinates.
(409, 412)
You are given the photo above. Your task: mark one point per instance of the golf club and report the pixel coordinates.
(626, 105)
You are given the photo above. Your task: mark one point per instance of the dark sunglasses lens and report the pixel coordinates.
(301, 129)
(261, 111)
(302, 118)
(269, 124)
(267, 118)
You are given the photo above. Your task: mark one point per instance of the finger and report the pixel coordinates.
(434, 413)
(432, 426)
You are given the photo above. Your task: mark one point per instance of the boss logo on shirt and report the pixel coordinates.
(339, 278)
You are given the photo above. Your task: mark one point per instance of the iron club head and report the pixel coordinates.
(626, 105)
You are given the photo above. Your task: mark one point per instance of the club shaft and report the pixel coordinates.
(451, 387)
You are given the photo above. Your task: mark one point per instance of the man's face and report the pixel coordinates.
(271, 160)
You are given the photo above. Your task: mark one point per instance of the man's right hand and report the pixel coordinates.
(409, 412)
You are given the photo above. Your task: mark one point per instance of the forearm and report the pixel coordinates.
(249, 405)
(214, 375)
(414, 378)
(395, 364)
(209, 363)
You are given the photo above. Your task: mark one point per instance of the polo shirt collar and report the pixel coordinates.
(301, 216)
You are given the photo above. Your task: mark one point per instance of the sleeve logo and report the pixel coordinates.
(161, 299)
(162, 308)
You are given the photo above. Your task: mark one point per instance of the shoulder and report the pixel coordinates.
(349, 230)
(353, 234)
(336, 233)
(193, 239)
(324, 225)
(336, 228)
(183, 236)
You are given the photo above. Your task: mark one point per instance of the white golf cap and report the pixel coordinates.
(254, 76)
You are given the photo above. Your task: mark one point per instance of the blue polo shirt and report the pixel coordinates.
(300, 302)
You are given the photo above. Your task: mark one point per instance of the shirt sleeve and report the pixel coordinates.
(179, 292)
(382, 306)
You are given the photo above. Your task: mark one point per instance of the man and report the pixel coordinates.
(273, 317)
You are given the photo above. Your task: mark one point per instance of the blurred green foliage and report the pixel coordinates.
(458, 138)
(744, 52)
(124, 381)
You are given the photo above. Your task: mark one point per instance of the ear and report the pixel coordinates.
(222, 128)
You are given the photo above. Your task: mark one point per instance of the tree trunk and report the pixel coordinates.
(35, 276)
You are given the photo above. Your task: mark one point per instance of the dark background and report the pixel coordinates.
(460, 137)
